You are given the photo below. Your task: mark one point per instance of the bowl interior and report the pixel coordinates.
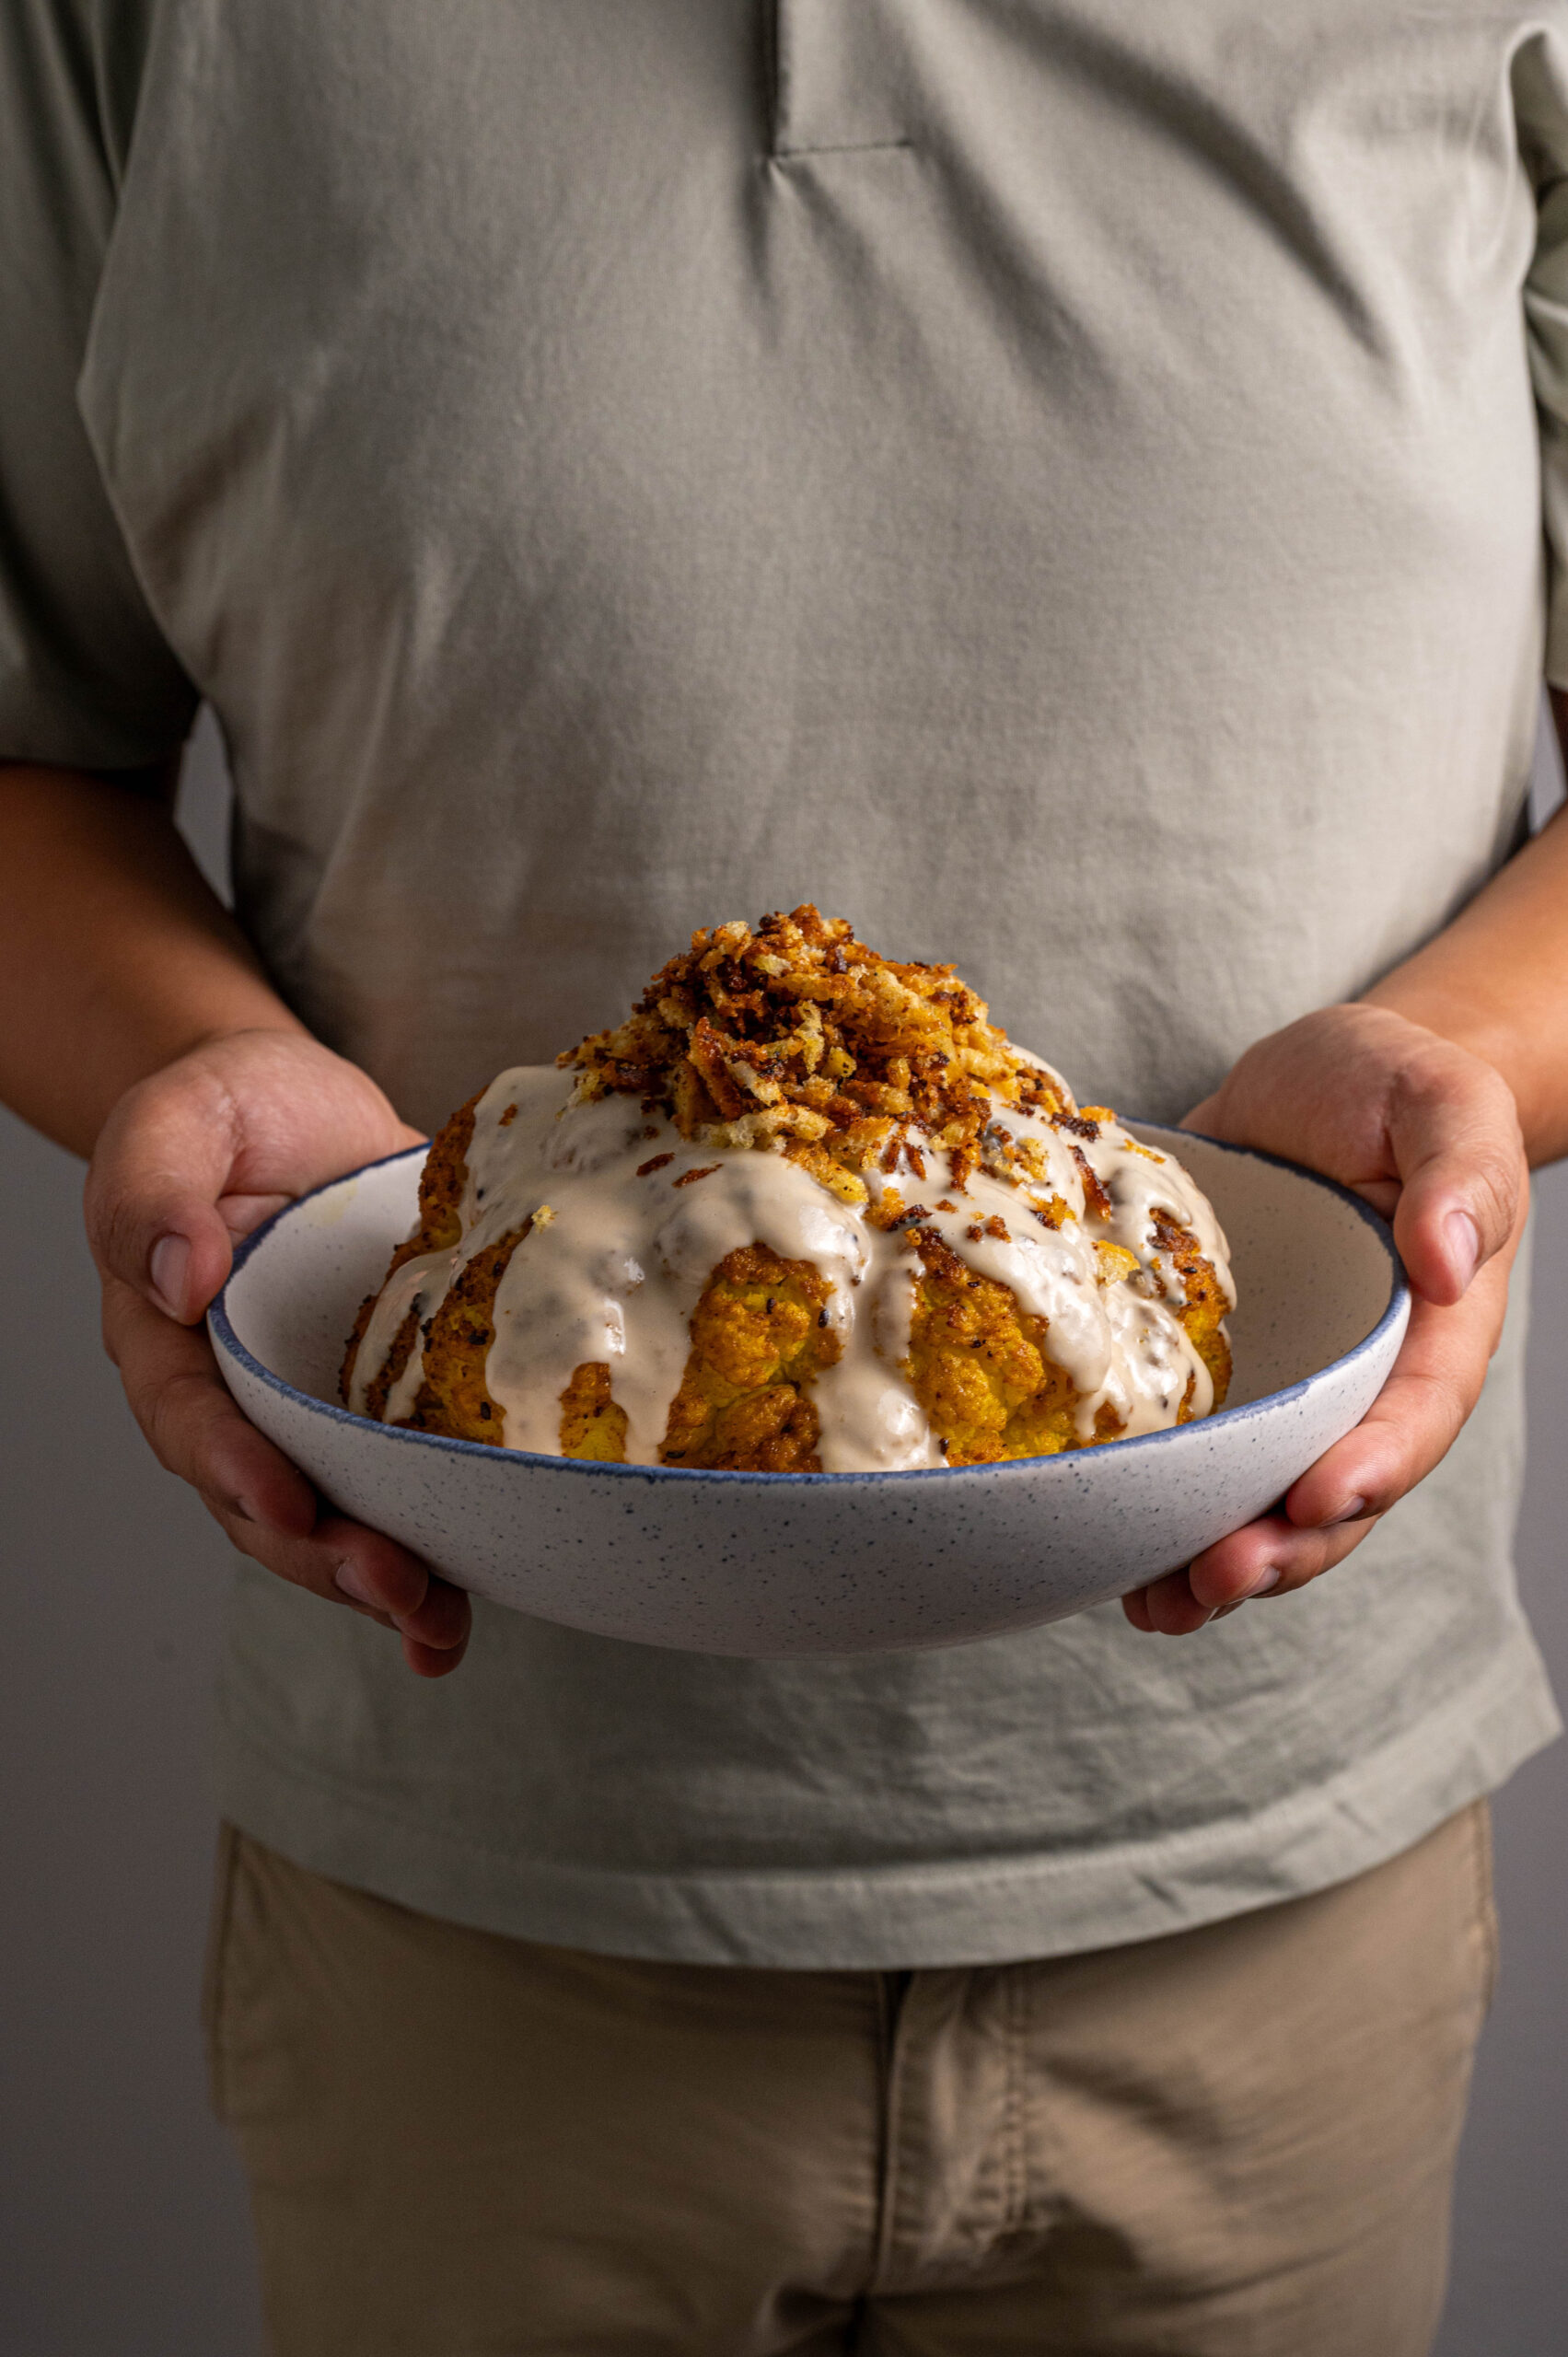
(1313, 1269)
(293, 1301)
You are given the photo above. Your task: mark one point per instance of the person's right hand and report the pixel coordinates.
(189, 1163)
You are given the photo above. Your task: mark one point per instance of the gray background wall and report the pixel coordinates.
(123, 2231)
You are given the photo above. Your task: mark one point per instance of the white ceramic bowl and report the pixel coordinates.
(776, 1563)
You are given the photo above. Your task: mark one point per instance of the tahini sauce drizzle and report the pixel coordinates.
(616, 1263)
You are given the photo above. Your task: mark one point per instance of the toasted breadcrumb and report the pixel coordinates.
(798, 1037)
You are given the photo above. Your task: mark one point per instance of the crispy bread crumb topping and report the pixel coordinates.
(799, 1039)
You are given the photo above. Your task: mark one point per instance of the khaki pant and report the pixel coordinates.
(1236, 2140)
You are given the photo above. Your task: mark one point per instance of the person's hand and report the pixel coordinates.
(188, 1163)
(1428, 1134)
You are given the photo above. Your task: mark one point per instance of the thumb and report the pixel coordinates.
(154, 1186)
(1453, 1134)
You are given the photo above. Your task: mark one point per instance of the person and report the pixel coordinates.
(1080, 489)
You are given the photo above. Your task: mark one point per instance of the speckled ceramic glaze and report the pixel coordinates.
(774, 1563)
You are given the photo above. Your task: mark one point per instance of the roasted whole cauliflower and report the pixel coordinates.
(806, 1210)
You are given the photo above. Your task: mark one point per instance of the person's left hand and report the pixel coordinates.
(1428, 1134)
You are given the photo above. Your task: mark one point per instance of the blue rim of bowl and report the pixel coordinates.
(221, 1328)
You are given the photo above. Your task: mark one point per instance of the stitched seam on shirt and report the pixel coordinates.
(841, 147)
(773, 72)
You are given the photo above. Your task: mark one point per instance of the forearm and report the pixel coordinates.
(1496, 981)
(115, 957)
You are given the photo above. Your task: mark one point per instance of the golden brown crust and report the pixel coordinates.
(454, 1398)
(981, 1370)
(1205, 1309)
(759, 1339)
(379, 1391)
(799, 1035)
(440, 1229)
(408, 1251)
(445, 1176)
(979, 1365)
(592, 1426)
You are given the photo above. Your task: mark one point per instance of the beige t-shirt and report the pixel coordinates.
(1058, 482)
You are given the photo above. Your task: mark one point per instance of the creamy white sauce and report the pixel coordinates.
(620, 1255)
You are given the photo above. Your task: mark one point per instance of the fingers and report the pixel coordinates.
(1270, 1557)
(1429, 1134)
(1135, 1605)
(1411, 1426)
(265, 1504)
(243, 1214)
(1454, 1134)
(344, 1564)
(192, 1423)
(188, 1161)
(204, 1150)
(437, 1661)
(153, 1192)
(1416, 1417)
(1420, 1127)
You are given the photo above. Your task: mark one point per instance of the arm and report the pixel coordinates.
(1430, 1098)
(1496, 979)
(115, 958)
(139, 1028)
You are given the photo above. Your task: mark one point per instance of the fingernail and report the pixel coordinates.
(1260, 1587)
(1352, 1511)
(168, 1266)
(1464, 1242)
(353, 1584)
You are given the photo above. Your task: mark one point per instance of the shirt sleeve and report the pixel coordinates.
(87, 679)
